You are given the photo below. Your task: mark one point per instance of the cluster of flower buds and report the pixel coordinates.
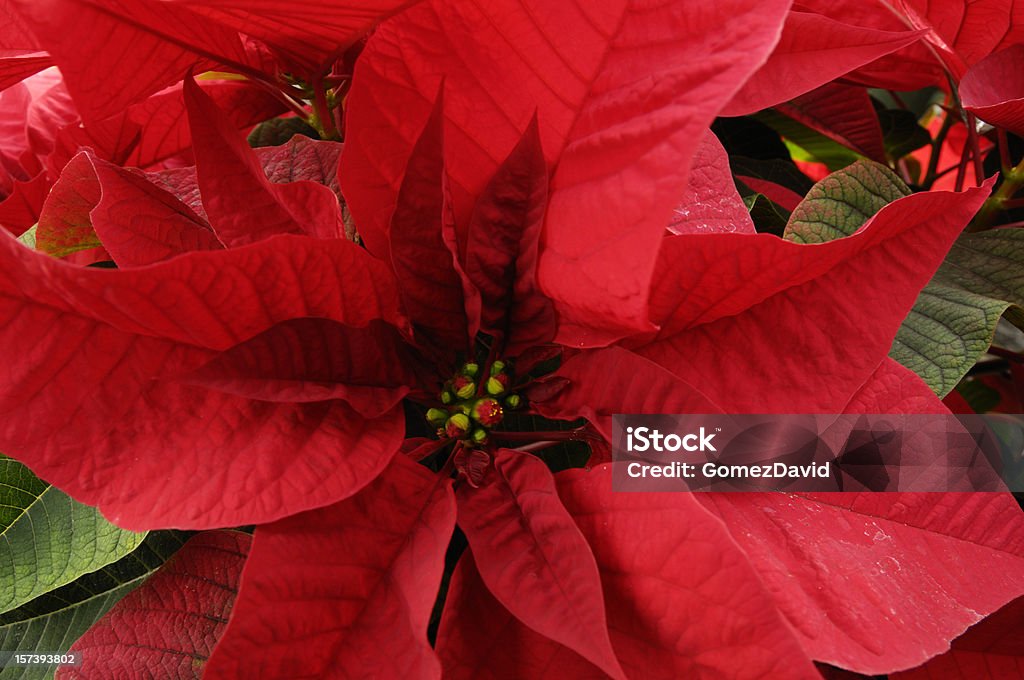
(474, 404)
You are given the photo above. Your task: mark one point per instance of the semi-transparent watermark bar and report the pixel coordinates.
(804, 452)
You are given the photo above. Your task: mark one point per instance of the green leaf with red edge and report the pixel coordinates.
(96, 203)
(993, 89)
(422, 252)
(243, 205)
(989, 650)
(169, 625)
(586, 69)
(134, 49)
(534, 559)
(64, 224)
(682, 599)
(502, 249)
(849, 571)
(114, 342)
(310, 35)
(813, 50)
(719, 291)
(346, 588)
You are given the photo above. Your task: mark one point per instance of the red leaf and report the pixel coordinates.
(893, 388)
(814, 50)
(308, 360)
(20, 210)
(683, 600)
(534, 559)
(502, 249)
(715, 294)
(956, 34)
(14, 33)
(842, 113)
(311, 34)
(156, 128)
(429, 277)
(137, 222)
(608, 381)
(242, 204)
(114, 53)
(98, 352)
(347, 589)
(604, 115)
(711, 203)
(850, 571)
(168, 626)
(480, 640)
(14, 69)
(784, 196)
(64, 223)
(993, 89)
(992, 649)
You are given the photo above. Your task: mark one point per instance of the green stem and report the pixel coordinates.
(1002, 199)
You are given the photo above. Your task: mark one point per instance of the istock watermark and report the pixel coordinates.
(810, 452)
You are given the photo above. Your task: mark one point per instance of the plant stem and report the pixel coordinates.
(933, 160)
(323, 112)
(972, 136)
(553, 436)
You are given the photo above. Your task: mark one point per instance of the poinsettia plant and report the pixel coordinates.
(315, 318)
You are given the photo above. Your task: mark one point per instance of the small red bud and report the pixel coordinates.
(457, 426)
(497, 384)
(487, 412)
(464, 387)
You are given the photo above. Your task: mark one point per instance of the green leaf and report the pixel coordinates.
(841, 203)
(954, 320)
(768, 216)
(28, 238)
(902, 133)
(48, 539)
(817, 146)
(777, 170)
(277, 131)
(54, 621)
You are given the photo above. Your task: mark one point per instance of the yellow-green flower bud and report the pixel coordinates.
(457, 426)
(437, 417)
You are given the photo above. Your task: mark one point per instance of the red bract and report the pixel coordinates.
(170, 624)
(536, 186)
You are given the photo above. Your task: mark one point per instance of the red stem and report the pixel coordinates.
(1004, 150)
(961, 170)
(972, 135)
(552, 436)
(1015, 357)
(324, 113)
